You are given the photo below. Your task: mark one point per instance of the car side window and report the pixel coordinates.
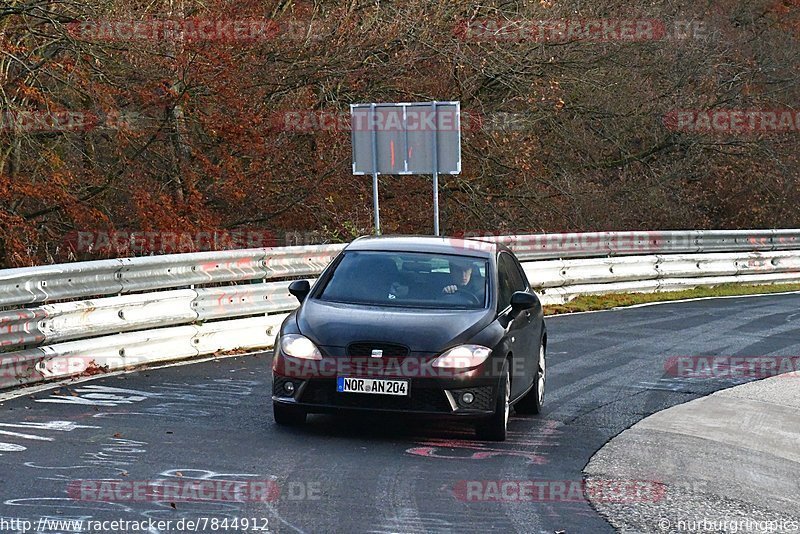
(517, 275)
(505, 268)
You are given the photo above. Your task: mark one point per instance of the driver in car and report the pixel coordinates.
(462, 280)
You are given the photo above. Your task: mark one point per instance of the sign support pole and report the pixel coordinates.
(375, 204)
(436, 203)
(435, 172)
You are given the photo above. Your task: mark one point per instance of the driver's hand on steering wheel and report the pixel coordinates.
(450, 289)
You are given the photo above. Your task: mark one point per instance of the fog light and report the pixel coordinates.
(467, 398)
(289, 387)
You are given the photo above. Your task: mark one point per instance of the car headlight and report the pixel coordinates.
(298, 346)
(463, 357)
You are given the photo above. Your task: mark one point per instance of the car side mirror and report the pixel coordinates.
(523, 301)
(300, 289)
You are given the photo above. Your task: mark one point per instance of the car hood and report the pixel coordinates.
(331, 324)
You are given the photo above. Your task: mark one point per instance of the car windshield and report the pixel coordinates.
(409, 279)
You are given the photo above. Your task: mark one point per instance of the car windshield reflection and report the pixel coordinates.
(413, 280)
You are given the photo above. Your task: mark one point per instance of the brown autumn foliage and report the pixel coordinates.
(189, 137)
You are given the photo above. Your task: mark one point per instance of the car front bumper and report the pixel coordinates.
(428, 397)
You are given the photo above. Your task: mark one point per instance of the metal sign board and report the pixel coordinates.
(406, 138)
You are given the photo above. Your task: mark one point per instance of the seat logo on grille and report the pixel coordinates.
(377, 353)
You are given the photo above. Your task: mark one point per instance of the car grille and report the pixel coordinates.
(420, 399)
(364, 350)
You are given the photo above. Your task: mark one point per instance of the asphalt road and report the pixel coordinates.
(212, 421)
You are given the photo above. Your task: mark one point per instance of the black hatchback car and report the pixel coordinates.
(419, 325)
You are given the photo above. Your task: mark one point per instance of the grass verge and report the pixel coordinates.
(617, 300)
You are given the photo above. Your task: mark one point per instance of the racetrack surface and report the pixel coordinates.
(213, 421)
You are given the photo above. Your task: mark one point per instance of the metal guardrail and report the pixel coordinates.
(28, 285)
(595, 244)
(122, 351)
(556, 273)
(558, 281)
(120, 276)
(151, 308)
(65, 321)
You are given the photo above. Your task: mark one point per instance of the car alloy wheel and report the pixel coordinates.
(541, 376)
(507, 400)
(533, 400)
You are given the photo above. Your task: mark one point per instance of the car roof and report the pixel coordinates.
(440, 245)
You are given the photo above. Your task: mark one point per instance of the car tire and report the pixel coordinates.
(495, 428)
(533, 400)
(288, 415)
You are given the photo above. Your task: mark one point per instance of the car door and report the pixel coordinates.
(518, 327)
(535, 328)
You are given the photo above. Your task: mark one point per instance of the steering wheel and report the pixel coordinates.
(463, 294)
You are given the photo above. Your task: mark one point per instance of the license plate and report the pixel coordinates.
(373, 386)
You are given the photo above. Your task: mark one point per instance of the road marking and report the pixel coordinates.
(61, 426)
(101, 396)
(24, 436)
(64, 426)
(30, 390)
